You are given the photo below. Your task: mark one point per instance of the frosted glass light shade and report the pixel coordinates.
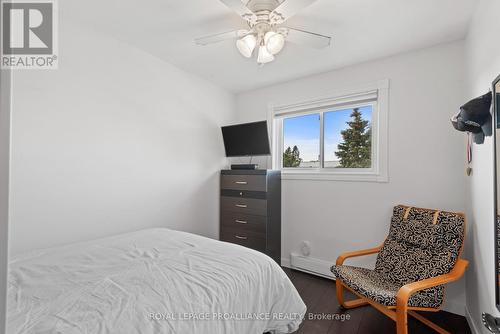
(246, 45)
(274, 42)
(264, 55)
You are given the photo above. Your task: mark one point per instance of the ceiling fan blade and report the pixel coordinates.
(220, 37)
(287, 9)
(241, 9)
(307, 38)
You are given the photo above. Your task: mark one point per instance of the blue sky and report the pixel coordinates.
(303, 131)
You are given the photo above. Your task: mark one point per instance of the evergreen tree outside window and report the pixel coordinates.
(348, 138)
(291, 157)
(355, 151)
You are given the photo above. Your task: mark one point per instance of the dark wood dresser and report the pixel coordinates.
(250, 210)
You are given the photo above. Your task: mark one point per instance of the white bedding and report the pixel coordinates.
(151, 281)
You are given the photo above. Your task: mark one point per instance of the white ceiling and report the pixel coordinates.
(362, 30)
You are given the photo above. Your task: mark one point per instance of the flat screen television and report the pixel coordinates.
(247, 139)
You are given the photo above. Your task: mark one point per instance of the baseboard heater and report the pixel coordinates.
(311, 265)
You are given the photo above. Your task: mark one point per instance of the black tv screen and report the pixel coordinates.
(246, 139)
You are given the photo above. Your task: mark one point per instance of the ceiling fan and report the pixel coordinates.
(266, 32)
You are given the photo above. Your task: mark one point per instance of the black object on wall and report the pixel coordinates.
(475, 117)
(248, 139)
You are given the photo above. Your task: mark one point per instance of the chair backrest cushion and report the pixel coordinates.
(422, 243)
(418, 233)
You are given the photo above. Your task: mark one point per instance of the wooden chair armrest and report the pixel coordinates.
(405, 292)
(363, 252)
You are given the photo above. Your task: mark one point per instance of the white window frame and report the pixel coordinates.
(375, 94)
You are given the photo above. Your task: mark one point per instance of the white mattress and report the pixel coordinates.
(151, 281)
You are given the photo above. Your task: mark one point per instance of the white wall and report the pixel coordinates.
(483, 65)
(114, 140)
(5, 85)
(426, 156)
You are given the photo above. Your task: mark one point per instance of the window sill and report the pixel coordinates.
(329, 176)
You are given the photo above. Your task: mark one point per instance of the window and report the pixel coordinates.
(348, 138)
(341, 138)
(301, 141)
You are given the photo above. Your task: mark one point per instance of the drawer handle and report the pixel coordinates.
(241, 182)
(241, 205)
(241, 221)
(241, 238)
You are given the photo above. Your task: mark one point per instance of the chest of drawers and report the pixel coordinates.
(250, 210)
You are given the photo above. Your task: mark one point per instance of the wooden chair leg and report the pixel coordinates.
(402, 319)
(350, 303)
(340, 291)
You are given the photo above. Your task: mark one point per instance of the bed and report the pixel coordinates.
(151, 281)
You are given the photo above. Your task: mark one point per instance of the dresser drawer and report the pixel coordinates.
(255, 241)
(244, 205)
(244, 182)
(244, 222)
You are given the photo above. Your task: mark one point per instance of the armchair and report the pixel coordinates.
(421, 253)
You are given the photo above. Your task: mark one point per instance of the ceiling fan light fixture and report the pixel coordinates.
(274, 42)
(265, 30)
(264, 55)
(246, 45)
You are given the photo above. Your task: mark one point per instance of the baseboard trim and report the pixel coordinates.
(471, 322)
(285, 262)
(308, 265)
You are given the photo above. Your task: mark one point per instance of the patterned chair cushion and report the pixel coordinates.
(373, 285)
(417, 249)
(421, 244)
(418, 233)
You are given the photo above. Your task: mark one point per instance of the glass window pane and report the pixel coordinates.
(348, 138)
(301, 141)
